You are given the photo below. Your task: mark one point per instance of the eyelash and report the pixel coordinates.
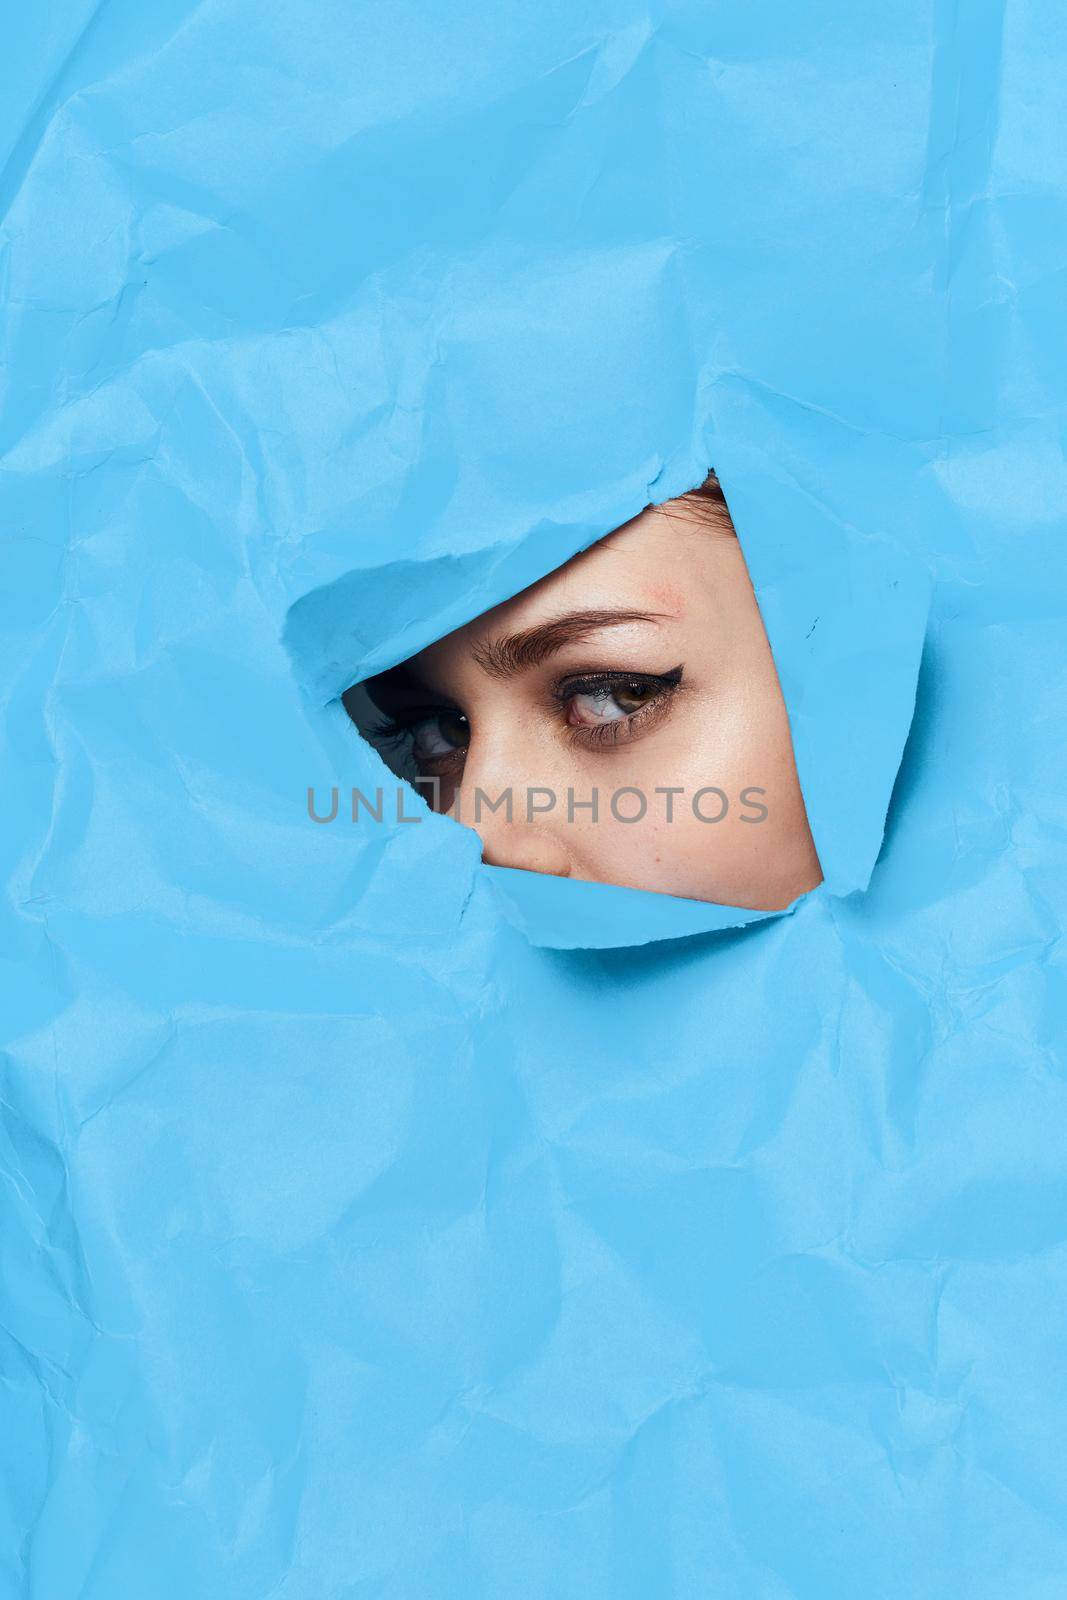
(393, 730)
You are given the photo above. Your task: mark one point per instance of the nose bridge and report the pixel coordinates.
(504, 797)
(500, 756)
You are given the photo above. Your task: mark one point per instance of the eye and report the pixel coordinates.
(432, 737)
(439, 735)
(610, 702)
(601, 709)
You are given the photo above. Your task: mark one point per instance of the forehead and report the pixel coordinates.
(640, 567)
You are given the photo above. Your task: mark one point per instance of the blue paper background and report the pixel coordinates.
(356, 1242)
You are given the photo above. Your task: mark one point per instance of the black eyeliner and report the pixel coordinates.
(584, 683)
(410, 717)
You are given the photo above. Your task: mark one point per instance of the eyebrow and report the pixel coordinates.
(512, 653)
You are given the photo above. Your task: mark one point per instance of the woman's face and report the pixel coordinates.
(641, 666)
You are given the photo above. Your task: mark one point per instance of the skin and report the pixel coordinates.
(532, 716)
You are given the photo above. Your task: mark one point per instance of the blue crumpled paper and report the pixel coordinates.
(381, 1223)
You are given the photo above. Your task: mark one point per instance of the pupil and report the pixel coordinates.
(455, 729)
(632, 698)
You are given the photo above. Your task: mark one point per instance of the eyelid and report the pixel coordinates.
(411, 716)
(584, 682)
